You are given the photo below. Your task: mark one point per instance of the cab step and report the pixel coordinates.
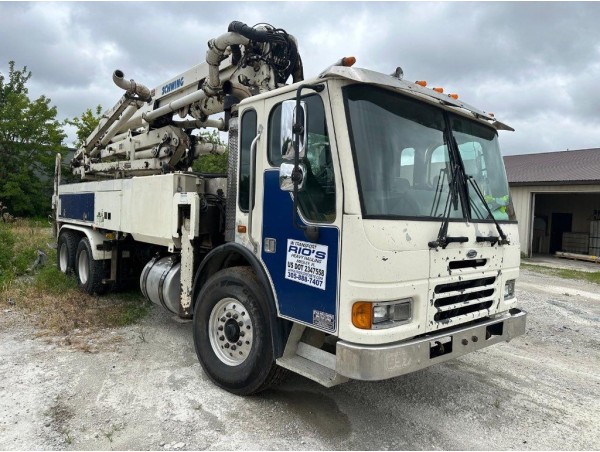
(309, 361)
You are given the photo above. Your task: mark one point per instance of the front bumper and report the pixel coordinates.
(378, 362)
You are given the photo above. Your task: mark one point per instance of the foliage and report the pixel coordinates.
(30, 138)
(7, 242)
(19, 242)
(86, 123)
(212, 163)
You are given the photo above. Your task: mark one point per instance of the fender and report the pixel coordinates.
(228, 255)
(95, 238)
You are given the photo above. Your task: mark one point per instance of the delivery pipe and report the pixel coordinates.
(197, 124)
(131, 86)
(125, 116)
(215, 54)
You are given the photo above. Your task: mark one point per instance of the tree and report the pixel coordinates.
(86, 123)
(30, 138)
(212, 163)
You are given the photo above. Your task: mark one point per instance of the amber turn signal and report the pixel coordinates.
(348, 61)
(241, 228)
(362, 315)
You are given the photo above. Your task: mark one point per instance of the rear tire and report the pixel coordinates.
(66, 251)
(232, 332)
(90, 272)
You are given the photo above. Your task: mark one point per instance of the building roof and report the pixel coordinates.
(554, 168)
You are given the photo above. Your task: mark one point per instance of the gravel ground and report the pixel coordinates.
(141, 387)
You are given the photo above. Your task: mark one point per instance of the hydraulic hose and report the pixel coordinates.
(249, 32)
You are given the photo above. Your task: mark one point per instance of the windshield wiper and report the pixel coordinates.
(502, 240)
(443, 239)
(438, 192)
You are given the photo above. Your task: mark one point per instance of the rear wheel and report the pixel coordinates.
(90, 272)
(232, 332)
(66, 251)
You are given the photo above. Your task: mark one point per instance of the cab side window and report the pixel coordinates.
(317, 200)
(248, 133)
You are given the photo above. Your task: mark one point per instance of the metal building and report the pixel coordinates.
(556, 196)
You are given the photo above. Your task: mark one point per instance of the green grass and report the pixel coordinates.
(50, 298)
(593, 277)
(50, 279)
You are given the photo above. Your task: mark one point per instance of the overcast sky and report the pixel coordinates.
(535, 65)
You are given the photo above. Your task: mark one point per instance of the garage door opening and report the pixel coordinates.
(565, 222)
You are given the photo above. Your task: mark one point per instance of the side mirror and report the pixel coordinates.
(287, 175)
(288, 121)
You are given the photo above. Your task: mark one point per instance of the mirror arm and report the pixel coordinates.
(298, 129)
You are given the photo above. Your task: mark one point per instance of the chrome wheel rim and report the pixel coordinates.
(63, 256)
(230, 331)
(83, 267)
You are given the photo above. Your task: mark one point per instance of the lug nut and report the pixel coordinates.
(242, 333)
(223, 319)
(240, 323)
(239, 342)
(226, 345)
(465, 342)
(233, 347)
(221, 338)
(235, 316)
(228, 315)
(220, 328)
(474, 339)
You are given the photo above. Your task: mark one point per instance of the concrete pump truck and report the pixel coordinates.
(364, 228)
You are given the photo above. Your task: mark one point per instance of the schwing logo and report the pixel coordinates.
(172, 86)
(471, 254)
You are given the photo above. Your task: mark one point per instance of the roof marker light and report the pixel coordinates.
(422, 83)
(453, 96)
(348, 61)
(439, 90)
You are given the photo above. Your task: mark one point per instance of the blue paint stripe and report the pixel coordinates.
(77, 206)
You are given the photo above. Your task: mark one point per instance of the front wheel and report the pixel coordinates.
(232, 332)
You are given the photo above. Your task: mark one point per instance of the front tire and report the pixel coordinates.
(232, 332)
(90, 272)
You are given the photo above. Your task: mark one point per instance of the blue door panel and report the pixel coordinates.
(298, 301)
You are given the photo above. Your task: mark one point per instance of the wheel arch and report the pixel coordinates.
(95, 238)
(233, 255)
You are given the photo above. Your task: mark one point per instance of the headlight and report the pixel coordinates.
(366, 315)
(509, 289)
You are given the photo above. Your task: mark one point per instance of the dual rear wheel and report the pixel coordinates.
(74, 255)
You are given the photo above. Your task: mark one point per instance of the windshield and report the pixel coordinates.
(404, 167)
(480, 154)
